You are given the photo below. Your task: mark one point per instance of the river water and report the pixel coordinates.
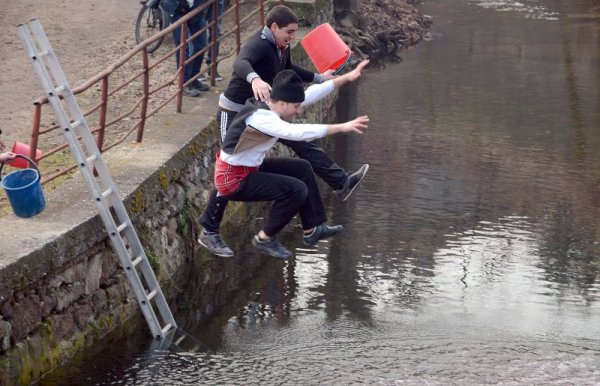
(470, 254)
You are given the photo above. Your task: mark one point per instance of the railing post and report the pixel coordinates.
(103, 109)
(261, 6)
(181, 67)
(213, 41)
(238, 39)
(35, 131)
(146, 92)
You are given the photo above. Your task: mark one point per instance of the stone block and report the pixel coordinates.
(94, 274)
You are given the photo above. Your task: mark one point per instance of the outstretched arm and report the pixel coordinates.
(356, 125)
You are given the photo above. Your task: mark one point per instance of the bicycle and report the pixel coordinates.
(151, 19)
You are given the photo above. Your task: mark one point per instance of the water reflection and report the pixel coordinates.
(470, 253)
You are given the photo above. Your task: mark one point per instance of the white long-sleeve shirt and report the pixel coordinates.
(269, 127)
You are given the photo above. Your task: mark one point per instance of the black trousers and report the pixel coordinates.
(321, 164)
(291, 185)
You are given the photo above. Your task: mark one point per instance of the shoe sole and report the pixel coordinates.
(358, 183)
(213, 252)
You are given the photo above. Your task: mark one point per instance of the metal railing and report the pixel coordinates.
(139, 80)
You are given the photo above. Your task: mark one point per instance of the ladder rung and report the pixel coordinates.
(59, 89)
(42, 53)
(107, 192)
(92, 158)
(121, 227)
(76, 123)
(152, 294)
(136, 261)
(167, 328)
(181, 338)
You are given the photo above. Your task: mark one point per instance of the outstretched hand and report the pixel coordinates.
(357, 72)
(357, 124)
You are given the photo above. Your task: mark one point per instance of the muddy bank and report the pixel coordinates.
(380, 30)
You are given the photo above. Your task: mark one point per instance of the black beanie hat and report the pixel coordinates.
(287, 87)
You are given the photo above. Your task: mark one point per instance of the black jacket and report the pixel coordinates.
(259, 55)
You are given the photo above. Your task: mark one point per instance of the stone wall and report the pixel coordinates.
(50, 311)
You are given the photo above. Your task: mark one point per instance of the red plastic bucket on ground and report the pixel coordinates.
(325, 48)
(22, 149)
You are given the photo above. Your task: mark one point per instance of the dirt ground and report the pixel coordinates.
(86, 36)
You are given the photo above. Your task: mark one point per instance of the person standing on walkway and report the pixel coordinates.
(244, 173)
(265, 54)
(176, 10)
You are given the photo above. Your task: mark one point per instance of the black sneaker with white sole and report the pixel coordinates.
(271, 247)
(352, 182)
(322, 232)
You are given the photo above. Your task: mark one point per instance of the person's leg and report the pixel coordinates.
(215, 208)
(312, 211)
(176, 36)
(342, 182)
(196, 44)
(211, 220)
(323, 166)
(287, 193)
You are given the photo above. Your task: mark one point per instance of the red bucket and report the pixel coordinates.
(325, 48)
(23, 149)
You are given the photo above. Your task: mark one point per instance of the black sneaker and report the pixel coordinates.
(271, 247)
(352, 182)
(190, 91)
(199, 85)
(214, 243)
(322, 232)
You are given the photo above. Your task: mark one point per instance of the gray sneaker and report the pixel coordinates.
(352, 182)
(271, 247)
(322, 232)
(214, 243)
(191, 91)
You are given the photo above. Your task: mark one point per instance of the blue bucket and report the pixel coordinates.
(24, 190)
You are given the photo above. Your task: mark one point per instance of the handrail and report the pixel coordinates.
(140, 80)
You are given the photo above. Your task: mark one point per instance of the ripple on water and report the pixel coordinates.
(530, 8)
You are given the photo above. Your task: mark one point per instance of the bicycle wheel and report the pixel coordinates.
(149, 22)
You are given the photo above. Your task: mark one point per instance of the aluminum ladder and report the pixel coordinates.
(104, 192)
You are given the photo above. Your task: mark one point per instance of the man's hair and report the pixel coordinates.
(287, 87)
(281, 15)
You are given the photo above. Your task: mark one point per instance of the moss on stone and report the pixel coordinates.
(138, 202)
(163, 179)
